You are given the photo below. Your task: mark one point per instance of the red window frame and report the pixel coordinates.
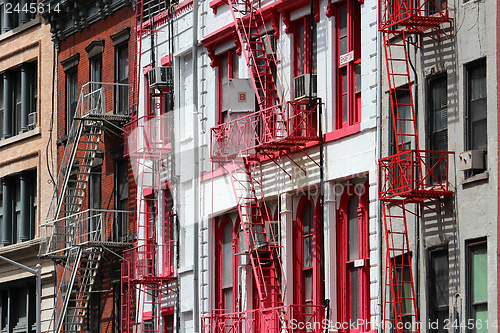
(229, 68)
(347, 265)
(168, 261)
(348, 96)
(219, 264)
(297, 61)
(301, 272)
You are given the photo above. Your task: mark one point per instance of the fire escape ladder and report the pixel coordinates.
(265, 260)
(399, 287)
(81, 290)
(250, 27)
(398, 71)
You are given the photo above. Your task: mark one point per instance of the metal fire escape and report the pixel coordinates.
(148, 274)
(277, 128)
(411, 176)
(74, 238)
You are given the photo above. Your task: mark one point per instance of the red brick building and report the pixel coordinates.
(94, 54)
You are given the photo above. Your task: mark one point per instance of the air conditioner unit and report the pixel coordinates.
(269, 44)
(161, 77)
(302, 84)
(472, 160)
(32, 120)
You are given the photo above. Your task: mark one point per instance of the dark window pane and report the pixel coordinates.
(353, 228)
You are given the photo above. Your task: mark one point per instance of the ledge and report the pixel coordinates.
(20, 246)
(37, 20)
(482, 176)
(20, 137)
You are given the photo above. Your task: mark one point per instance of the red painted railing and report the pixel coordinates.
(414, 174)
(139, 262)
(147, 134)
(289, 318)
(412, 15)
(280, 127)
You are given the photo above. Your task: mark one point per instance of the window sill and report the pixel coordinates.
(22, 246)
(19, 137)
(342, 132)
(37, 20)
(482, 176)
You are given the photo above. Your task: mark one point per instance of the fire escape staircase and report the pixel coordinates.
(253, 213)
(69, 237)
(411, 176)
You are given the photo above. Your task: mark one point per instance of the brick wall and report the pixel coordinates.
(104, 29)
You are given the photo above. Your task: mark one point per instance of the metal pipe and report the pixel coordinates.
(196, 310)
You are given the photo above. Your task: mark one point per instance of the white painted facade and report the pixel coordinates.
(200, 196)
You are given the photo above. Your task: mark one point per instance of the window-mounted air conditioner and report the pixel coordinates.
(161, 77)
(472, 160)
(32, 120)
(269, 44)
(302, 84)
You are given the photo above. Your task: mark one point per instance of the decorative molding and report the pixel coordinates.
(121, 36)
(330, 10)
(238, 45)
(71, 61)
(275, 22)
(212, 56)
(95, 47)
(286, 21)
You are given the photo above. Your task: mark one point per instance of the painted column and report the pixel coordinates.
(7, 17)
(286, 214)
(24, 223)
(7, 213)
(25, 98)
(330, 234)
(7, 109)
(24, 13)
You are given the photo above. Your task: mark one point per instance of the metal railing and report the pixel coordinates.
(148, 134)
(279, 127)
(412, 13)
(96, 98)
(288, 318)
(90, 226)
(149, 260)
(414, 173)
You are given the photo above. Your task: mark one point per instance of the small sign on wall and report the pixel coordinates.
(242, 97)
(346, 58)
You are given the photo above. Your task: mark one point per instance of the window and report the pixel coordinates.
(121, 201)
(14, 14)
(477, 284)
(121, 76)
(19, 97)
(169, 232)
(438, 114)
(405, 130)
(19, 208)
(95, 198)
(476, 130)
(403, 288)
(353, 256)
(348, 64)
(226, 276)
(228, 69)
(302, 47)
(18, 306)
(439, 289)
(307, 258)
(71, 96)
(94, 307)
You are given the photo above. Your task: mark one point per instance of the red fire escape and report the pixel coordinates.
(411, 176)
(148, 268)
(239, 145)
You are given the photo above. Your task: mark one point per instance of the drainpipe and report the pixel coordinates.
(378, 154)
(196, 311)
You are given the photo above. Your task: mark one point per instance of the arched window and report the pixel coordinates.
(307, 255)
(226, 264)
(353, 256)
